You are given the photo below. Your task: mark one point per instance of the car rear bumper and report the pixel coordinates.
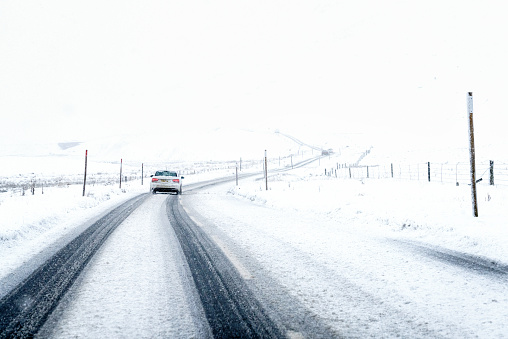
(165, 187)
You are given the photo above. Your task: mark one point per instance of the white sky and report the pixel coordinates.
(75, 70)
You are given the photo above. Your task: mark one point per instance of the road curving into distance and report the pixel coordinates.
(231, 309)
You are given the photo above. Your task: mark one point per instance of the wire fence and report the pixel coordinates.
(31, 183)
(487, 172)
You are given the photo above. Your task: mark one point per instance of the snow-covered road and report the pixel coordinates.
(313, 269)
(353, 283)
(136, 286)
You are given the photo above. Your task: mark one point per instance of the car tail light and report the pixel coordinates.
(176, 180)
(154, 179)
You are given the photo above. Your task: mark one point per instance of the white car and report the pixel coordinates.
(166, 181)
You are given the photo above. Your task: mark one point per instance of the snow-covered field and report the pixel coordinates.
(354, 252)
(436, 213)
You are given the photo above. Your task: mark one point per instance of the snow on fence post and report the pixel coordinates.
(84, 180)
(472, 154)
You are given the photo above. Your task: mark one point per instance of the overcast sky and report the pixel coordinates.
(79, 70)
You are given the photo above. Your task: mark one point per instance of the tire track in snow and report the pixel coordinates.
(469, 262)
(137, 285)
(229, 305)
(24, 310)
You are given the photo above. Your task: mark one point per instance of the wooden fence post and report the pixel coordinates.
(492, 172)
(121, 161)
(84, 180)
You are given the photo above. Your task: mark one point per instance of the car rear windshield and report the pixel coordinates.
(166, 174)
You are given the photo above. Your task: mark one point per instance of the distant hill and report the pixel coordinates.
(67, 145)
(218, 144)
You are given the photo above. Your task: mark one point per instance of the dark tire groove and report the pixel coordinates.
(24, 310)
(469, 262)
(230, 307)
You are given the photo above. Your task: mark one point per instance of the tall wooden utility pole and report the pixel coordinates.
(472, 153)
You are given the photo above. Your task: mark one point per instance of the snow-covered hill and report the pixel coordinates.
(164, 147)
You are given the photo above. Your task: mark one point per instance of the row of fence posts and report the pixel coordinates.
(472, 162)
(32, 188)
(329, 173)
(121, 175)
(142, 171)
(474, 181)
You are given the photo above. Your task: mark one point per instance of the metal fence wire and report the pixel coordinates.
(487, 172)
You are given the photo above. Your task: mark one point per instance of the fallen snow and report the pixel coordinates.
(135, 285)
(333, 244)
(31, 224)
(436, 214)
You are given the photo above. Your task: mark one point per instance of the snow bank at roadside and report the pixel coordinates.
(434, 213)
(30, 223)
